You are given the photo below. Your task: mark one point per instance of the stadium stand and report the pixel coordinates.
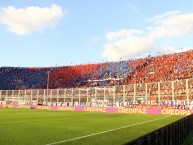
(165, 80)
(151, 85)
(162, 68)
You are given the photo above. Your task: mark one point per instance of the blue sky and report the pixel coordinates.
(43, 33)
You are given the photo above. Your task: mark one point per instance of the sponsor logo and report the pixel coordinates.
(176, 112)
(95, 109)
(132, 110)
(43, 107)
(66, 108)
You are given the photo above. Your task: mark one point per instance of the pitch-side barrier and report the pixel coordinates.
(164, 111)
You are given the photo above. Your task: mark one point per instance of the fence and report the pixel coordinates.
(179, 92)
(172, 134)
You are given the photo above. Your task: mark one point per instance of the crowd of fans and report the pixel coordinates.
(162, 68)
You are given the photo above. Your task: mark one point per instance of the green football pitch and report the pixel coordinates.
(43, 127)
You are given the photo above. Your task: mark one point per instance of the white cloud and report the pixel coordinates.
(23, 21)
(161, 17)
(170, 49)
(114, 36)
(177, 25)
(127, 43)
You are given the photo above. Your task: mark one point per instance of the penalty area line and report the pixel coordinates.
(106, 131)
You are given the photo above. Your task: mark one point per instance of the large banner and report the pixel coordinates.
(165, 111)
(118, 110)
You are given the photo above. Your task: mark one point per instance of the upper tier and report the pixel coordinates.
(149, 69)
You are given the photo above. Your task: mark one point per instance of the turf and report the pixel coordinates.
(41, 127)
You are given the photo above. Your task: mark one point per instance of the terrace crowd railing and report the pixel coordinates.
(178, 92)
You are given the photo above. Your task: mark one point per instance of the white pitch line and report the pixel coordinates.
(106, 131)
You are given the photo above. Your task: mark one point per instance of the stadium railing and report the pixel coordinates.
(170, 93)
(173, 134)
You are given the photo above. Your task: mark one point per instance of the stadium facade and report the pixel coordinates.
(165, 80)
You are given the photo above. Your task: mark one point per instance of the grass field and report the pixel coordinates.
(43, 127)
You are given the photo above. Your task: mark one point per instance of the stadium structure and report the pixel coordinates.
(130, 91)
(164, 81)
